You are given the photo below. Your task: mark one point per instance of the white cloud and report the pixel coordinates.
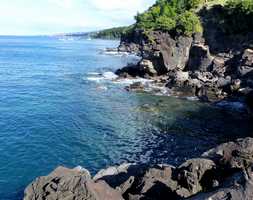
(63, 3)
(116, 5)
(52, 16)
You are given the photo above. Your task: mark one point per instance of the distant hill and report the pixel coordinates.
(111, 33)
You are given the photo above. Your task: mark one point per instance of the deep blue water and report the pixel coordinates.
(51, 114)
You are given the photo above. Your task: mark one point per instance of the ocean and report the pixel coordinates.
(56, 109)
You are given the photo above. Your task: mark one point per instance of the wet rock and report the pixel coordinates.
(181, 77)
(148, 67)
(131, 70)
(137, 86)
(65, 183)
(177, 78)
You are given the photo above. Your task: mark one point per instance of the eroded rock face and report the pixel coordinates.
(70, 184)
(200, 58)
(217, 62)
(190, 176)
(234, 155)
(164, 52)
(237, 187)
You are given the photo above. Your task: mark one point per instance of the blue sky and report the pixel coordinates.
(36, 17)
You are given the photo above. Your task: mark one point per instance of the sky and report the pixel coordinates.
(40, 17)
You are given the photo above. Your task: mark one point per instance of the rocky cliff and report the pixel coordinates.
(212, 65)
(222, 173)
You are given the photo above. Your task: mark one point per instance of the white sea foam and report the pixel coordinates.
(192, 98)
(128, 81)
(93, 73)
(115, 53)
(106, 76)
(66, 39)
(109, 76)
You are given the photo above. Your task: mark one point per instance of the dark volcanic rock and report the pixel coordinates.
(69, 184)
(246, 63)
(200, 58)
(237, 187)
(222, 173)
(164, 52)
(190, 176)
(233, 155)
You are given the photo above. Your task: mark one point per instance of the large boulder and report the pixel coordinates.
(155, 183)
(200, 58)
(246, 63)
(147, 67)
(140, 181)
(222, 173)
(165, 52)
(233, 155)
(119, 176)
(130, 70)
(70, 184)
(173, 52)
(190, 176)
(237, 187)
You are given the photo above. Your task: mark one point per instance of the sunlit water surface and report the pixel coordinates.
(53, 113)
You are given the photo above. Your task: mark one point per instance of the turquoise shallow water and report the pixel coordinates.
(51, 114)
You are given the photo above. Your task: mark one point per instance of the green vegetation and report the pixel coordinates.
(188, 23)
(238, 16)
(171, 15)
(193, 4)
(180, 17)
(112, 33)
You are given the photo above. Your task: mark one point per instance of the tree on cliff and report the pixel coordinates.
(175, 16)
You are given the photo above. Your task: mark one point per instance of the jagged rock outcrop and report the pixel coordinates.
(219, 65)
(70, 184)
(200, 59)
(222, 173)
(163, 51)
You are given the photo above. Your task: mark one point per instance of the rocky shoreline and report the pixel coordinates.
(187, 68)
(222, 173)
(210, 65)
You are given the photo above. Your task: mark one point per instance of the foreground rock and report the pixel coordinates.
(68, 184)
(222, 173)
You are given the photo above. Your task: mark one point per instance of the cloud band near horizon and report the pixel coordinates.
(29, 17)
